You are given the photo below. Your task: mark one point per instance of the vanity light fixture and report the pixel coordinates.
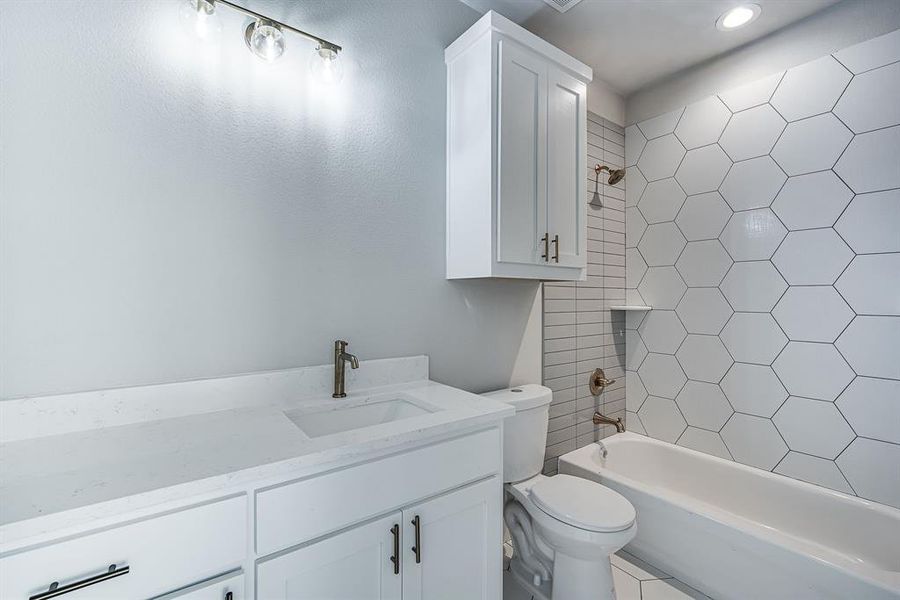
(738, 17)
(265, 37)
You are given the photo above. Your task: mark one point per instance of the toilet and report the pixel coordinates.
(563, 528)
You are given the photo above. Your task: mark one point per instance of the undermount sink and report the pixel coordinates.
(329, 420)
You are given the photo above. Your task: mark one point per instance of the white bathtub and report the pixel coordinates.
(733, 531)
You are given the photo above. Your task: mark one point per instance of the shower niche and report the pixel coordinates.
(516, 156)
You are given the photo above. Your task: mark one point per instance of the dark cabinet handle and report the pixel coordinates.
(57, 590)
(546, 241)
(229, 596)
(417, 549)
(395, 558)
(556, 242)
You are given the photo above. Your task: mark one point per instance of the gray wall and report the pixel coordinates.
(580, 332)
(767, 243)
(174, 210)
(836, 27)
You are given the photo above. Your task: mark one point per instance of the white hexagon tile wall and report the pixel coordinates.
(763, 227)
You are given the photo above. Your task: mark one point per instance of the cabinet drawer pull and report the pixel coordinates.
(229, 595)
(395, 558)
(57, 590)
(556, 242)
(417, 549)
(546, 241)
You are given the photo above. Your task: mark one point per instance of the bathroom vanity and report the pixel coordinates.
(258, 486)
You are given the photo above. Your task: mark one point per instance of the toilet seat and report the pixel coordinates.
(582, 503)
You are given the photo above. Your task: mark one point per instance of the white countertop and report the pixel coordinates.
(69, 480)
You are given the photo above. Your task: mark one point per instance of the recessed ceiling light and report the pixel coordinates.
(738, 17)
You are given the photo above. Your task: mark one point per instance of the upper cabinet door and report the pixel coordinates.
(353, 565)
(459, 543)
(566, 169)
(522, 137)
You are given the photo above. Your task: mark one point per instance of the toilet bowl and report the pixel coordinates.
(563, 528)
(576, 524)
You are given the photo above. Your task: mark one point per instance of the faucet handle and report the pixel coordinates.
(598, 381)
(340, 345)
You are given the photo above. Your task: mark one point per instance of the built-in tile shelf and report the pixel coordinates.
(631, 307)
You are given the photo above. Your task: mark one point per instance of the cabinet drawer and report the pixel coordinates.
(309, 508)
(162, 554)
(229, 586)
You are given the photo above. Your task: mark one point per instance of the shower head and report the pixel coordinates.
(615, 175)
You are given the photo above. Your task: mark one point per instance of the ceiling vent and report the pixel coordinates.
(562, 5)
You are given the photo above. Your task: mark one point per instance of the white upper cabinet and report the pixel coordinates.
(516, 156)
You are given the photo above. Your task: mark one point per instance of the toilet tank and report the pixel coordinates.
(524, 433)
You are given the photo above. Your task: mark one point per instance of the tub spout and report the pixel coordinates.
(604, 420)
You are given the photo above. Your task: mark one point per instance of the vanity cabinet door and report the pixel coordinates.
(352, 565)
(459, 550)
(566, 169)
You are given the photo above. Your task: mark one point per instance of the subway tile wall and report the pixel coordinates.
(580, 334)
(763, 227)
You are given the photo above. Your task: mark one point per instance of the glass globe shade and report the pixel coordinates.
(326, 66)
(201, 19)
(265, 40)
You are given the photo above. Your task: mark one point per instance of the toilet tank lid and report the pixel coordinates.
(523, 397)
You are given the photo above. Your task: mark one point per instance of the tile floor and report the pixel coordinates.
(637, 580)
(634, 580)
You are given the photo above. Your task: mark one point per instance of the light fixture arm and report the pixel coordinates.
(325, 44)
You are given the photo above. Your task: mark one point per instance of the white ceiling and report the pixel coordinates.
(633, 43)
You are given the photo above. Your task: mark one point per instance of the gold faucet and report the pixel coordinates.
(341, 357)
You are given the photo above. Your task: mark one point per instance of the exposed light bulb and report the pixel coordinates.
(738, 17)
(201, 19)
(265, 39)
(326, 65)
